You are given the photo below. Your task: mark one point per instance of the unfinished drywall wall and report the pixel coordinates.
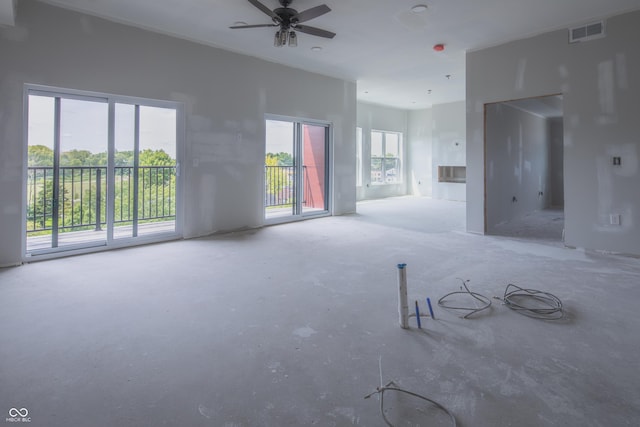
(600, 81)
(225, 96)
(449, 147)
(376, 117)
(517, 159)
(420, 152)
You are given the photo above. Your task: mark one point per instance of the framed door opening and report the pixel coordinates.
(524, 177)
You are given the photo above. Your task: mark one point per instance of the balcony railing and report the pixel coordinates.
(280, 183)
(82, 197)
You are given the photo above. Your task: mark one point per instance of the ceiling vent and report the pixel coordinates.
(583, 33)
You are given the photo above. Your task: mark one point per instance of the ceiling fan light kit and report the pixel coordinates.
(284, 38)
(289, 22)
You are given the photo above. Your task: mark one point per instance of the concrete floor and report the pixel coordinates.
(547, 224)
(289, 325)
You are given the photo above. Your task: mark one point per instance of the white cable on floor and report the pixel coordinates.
(391, 386)
(533, 303)
(472, 310)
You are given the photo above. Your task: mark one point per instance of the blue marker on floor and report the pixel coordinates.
(430, 309)
(418, 316)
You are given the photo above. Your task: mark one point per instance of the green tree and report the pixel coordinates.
(75, 158)
(150, 157)
(123, 158)
(282, 158)
(39, 155)
(99, 159)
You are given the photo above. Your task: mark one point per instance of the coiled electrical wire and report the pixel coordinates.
(533, 303)
(391, 386)
(472, 310)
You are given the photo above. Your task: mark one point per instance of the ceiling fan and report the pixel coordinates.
(289, 20)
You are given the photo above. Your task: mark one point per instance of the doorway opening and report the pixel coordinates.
(524, 177)
(296, 169)
(101, 171)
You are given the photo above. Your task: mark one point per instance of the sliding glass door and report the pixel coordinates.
(144, 171)
(296, 169)
(100, 170)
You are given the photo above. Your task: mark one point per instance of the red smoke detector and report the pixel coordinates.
(439, 47)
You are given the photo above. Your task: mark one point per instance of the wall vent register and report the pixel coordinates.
(593, 30)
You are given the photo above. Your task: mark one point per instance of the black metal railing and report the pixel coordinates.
(81, 203)
(280, 186)
(280, 183)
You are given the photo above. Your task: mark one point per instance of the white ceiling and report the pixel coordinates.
(380, 44)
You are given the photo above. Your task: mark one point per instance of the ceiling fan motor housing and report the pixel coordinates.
(286, 14)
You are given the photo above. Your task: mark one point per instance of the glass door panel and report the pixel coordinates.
(314, 168)
(66, 174)
(156, 171)
(280, 170)
(40, 140)
(82, 175)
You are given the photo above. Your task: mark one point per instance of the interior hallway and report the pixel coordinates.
(289, 325)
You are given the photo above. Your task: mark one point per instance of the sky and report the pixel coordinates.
(279, 137)
(84, 126)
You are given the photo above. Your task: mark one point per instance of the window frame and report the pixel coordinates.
(359, 165)
(384, 159)
(111, 100)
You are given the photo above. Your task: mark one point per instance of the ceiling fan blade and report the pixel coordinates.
(314, 12)
(315, 31)
(253, 26)
(265, 9)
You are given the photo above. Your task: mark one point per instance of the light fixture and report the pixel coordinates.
(419, 8)
(239, 23)
(316, 49)
(284, 37)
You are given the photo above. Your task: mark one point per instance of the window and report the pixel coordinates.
(385, 157)
(359, 157)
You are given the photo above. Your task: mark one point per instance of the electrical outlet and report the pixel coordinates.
(614, 219)
(617, 161)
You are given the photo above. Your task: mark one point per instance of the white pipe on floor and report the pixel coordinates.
(403, 304)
